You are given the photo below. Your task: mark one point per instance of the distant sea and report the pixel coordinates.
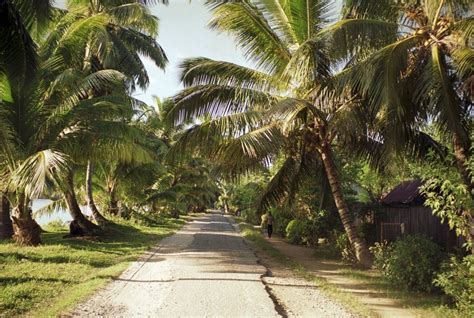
(53, 214)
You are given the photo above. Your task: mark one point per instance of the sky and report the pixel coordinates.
(183, 34)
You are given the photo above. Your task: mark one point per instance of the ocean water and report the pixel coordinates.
(53, 214)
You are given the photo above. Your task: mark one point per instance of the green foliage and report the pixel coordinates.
(55, 226)
(281, 217)
(343, 246)
(411, 262)
(296, 230)
(446, 194)
(308, 230)
(456, 279)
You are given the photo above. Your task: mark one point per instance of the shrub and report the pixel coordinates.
(343, 247)
(295, 230)
(56, 226)
(410, 263)
(381, 252)
(456, 279)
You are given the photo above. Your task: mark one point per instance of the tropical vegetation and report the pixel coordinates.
(342, 102)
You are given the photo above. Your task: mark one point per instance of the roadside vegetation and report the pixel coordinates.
(342, 104)
(420, 304)
(46, 280)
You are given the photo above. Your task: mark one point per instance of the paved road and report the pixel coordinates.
(204, 270)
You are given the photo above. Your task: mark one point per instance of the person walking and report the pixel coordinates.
(270, 225)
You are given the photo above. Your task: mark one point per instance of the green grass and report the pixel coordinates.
(45, 280)
(421, 304)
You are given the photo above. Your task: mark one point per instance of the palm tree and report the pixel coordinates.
(286, 104)
(130, 30)
(51, 118)
(18, 58)
(413, 61)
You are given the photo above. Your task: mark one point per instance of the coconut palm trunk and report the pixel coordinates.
(26, 231)
(98, 217)
(360, 247)
(6, 226)
(80, 224)
(113, 201)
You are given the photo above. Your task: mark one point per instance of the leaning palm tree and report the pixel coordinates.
(287, 104)
(412, 60)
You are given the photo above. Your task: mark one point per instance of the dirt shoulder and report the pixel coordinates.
(295, 295)
(321, 282)
(333, 273)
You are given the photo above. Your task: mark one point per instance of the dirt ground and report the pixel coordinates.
(376, 301)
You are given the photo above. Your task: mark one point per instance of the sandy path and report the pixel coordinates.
(204, 270)
(376, 301)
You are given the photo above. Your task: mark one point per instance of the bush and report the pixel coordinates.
(411, 263)
(343, 246)
(302, 232)
(56, 226)
(295, 231)
(456, 279)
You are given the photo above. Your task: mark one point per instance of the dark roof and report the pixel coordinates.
(407, 192)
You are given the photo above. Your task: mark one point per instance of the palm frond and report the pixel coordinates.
(283, 185)
(438, 85)
(309, 17)
(40, 171)
(385, 10)
(206, 136)
(144, 44)
(216, 100)
(309, 65)
(17, 48)
(204, 71)
(355, 37)
(134, 15)
(259, 41)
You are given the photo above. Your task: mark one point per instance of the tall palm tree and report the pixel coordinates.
(47, 120)
(131, 30)
(18, 57)
(286, 104)
(413, 61)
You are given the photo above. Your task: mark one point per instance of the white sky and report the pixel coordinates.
(183, 34)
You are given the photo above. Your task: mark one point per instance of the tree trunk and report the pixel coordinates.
(360, 247)
(26, 231)
(113, 202)
(99, 218)
(6, 226)
(461, 156)
(80, 225)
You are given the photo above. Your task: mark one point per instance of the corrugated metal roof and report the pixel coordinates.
(405, 193)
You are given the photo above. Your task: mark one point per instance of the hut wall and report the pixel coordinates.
(398, 222)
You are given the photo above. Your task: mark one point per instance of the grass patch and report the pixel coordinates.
(45, 280)
(420, 303)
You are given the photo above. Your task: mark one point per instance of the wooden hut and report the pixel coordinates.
(403, 213)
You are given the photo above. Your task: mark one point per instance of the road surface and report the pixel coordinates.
(204, 270)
